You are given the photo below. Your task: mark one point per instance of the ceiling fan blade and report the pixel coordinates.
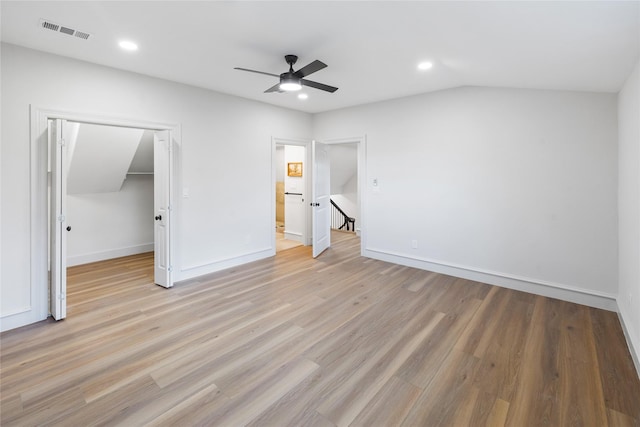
(310, 68)
(275, 88)
(317, 85)
(257, 72)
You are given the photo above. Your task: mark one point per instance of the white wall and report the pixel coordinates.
(110, 225)
(511, 187)
(629, 209)
(225, 163)
(344, 165)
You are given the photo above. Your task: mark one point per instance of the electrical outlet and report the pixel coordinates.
(414, 244)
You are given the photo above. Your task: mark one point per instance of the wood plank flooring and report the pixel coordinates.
(283, 244)
(338, 341)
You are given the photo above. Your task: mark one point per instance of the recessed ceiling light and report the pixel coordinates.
(127, 45)
(425, 65)
(303, 96)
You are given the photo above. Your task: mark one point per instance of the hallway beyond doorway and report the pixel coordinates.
(281, 242)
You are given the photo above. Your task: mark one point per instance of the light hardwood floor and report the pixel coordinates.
(283, 244)
(342, 340)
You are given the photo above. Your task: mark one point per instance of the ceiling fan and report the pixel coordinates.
(294, 80)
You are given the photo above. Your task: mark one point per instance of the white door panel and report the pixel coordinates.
(58, 222)
(162, 207)
(321, 198)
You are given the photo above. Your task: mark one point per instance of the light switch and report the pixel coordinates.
(376, 187)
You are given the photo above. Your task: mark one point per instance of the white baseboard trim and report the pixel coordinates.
(110, 254)
(290, 235)
(17, 318)
(200, 270)
(629, 333)
(15, 312)
(539, 287)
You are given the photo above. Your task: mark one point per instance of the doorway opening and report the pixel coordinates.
(88, 174)
(320, 188)
(116, 216)
(108, 176)
(345, 209)
(291, 191)
(110, 192)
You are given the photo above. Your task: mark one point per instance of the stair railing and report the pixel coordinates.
(340, 220)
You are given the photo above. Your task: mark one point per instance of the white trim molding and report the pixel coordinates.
(629, 334)
(525, 284)
(290, 235)
(109, 254)
(16, 318)
(221, 264)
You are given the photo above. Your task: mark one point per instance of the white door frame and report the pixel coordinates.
(39, 155)
(361, 141)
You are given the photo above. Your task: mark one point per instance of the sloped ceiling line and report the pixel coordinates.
(102, 156)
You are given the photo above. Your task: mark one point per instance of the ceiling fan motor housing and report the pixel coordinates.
(289, 76)
(289, 81)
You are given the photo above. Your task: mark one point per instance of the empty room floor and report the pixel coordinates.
(335, 341)
(282, 243)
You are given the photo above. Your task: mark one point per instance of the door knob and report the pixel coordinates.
(68, 228)
(158, 217)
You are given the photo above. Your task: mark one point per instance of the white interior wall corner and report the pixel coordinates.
(629, 211)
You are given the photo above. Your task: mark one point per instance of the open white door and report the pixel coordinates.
(58, 221)
(321, 198)
(162, 207)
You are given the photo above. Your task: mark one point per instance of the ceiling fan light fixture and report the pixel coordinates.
(291, 81)
(290, 84)
(424, 66)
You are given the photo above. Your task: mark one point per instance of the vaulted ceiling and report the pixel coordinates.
(99, 157)
(372, 48)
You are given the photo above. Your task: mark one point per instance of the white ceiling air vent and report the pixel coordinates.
(52, 26)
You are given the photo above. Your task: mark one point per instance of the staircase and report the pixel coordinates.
(340, 220)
